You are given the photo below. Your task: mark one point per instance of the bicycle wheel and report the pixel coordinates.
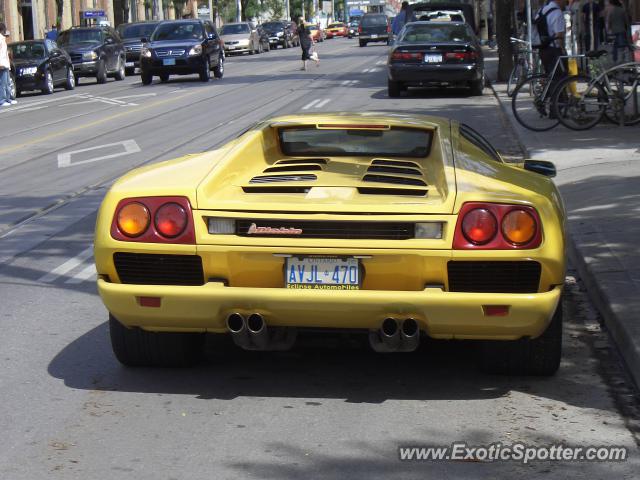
(578, 103)
(530, 105)
(624, 100)
(517, 74)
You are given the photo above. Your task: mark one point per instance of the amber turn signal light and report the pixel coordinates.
(133, 219)
(519, 227)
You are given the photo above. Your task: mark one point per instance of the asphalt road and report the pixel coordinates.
(328, 409)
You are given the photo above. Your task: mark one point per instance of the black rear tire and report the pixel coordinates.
(218, 70)
(120, 72)
(101, 76)
(48, 83)
(477, 87)
(146, 78)
(394, 88)
(362, 43)
(539, 356)
(70, 82)
(135, 347)
(164, 77)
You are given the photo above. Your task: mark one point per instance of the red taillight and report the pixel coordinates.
(479, 226)
(461, 56)
(399, 56)
(388, 28)
(359, 29)
(171, 220)
(497, 226)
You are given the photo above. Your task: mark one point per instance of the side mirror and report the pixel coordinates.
(108, 41)
(212, 36)
(548, 169)
(144, 40)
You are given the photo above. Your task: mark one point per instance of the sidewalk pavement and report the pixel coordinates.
(599, 178)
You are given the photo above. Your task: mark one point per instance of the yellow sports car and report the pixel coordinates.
(337, 29)
(395, 226)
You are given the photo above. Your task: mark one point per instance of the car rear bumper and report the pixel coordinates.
(382, 37)
(440, 314)
(237, 49)
(183, 66)
(424, 73)
(85, 69)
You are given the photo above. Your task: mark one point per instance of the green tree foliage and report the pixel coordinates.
(276, 7)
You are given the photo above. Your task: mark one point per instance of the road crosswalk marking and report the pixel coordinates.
(87, 273)
(67, 266)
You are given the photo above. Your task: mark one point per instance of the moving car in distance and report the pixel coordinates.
(240, 38)
(95, 52)
(41, 65)
(132, 35)
(394, 227)
(353, 29)
(374, 27)
(337, 29)
(182, 47)
(316, 32)
(279, 34)
(435, 54)
(466, 7)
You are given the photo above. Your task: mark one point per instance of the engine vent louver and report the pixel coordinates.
(412, 192)
(283, 178)
(319, 161)
(398, 170)
(293, 168)
(275, 189)
(395, 163)
(393, 180)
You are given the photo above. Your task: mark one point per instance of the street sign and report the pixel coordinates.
(93, 14)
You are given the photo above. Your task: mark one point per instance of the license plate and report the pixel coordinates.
(374, 35)
(431, 58)
(169, 61)
(129, 64)
(318, 273)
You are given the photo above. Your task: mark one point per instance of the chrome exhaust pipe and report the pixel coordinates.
(258, 332)
(387, 338)
(409, 335)
(237, 325)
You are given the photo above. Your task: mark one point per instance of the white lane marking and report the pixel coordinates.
(366, 70)
(67, 266)
(130, 146)
(84, 274)
(95, 98)
(31, 109)
(28, 105)
(381, 62)
(372, 70)
(346, 82)
(310, 104)
(136, 96)
(349, 83)
(323, 103)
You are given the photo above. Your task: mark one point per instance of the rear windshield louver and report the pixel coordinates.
(398, 170)
(319, 161)
(293, 168)
(283, 178)
(395, 163)
(414, 192)
(394, 180)
(275, 189)
(155, 269)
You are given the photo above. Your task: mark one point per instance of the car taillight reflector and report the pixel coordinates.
(171, 220)
(479, 226)
(403, 56)
(518, 227)
(460, 56)
(133, 219)
(359, 29)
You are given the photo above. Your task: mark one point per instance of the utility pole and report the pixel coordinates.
(238, 11)
(287, 12)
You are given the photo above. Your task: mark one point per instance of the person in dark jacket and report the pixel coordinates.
(306, 42)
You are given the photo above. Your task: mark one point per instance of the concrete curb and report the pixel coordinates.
(606, 289)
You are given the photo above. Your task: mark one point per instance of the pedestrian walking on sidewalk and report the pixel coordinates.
(551, 42)
(306, 44)
(618, 26)
(5, 70)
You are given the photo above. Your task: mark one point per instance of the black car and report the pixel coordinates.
(352, 30)
(132, 35)
(279, 34)
(95, 52)
(374, 27)
(182, 47)
(436, 53)
(41, 65)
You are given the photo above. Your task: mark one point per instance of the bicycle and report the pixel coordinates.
(582, 101)
(531, 100)
(522, 66)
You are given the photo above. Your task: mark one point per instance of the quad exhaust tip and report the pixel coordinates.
(236, 322)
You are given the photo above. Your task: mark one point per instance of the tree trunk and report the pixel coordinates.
(502, 18)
